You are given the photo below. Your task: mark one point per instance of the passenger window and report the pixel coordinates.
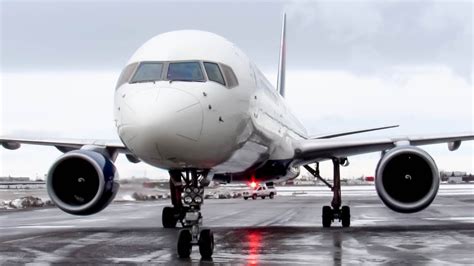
(214, 73)
(229, 76)
(126, 74)
(148, 71)
(185, 71)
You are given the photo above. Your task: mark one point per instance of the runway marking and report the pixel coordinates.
(369, 206)
(37, 227)
(43, 210)
(87, 220)
(367, 221)
(57, 224)
(467, 218)
(21, 239)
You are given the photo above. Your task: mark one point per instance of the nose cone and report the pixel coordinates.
(177, 113)
(160, 122)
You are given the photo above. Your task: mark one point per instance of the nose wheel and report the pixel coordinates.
(186, 241)
(185, 245)
(187, 210)
(193, 235)
(206, 243)
(335, 211)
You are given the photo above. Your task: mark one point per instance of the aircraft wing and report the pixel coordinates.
(64, 145)
(346, 133)
(312, 150)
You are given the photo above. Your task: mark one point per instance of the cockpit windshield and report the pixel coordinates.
(185, 71)
(147, 72)
(193, 71)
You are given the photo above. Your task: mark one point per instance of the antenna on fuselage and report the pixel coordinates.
(282, 62)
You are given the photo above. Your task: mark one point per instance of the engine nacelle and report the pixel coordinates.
(81, 182)
(407, 179)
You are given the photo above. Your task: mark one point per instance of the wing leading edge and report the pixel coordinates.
(312, 150)
(346, 133)
(64, 145)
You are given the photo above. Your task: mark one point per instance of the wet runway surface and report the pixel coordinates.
(280, 231)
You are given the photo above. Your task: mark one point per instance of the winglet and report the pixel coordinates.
(282, 62)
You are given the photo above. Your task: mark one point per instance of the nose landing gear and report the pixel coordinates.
(187, 199)
(194, 236)
(335, 211)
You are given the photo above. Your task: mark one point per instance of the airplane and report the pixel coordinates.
(193, 103)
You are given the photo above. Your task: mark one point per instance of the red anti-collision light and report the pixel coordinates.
(253, 184)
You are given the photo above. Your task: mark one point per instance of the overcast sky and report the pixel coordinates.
(351, 64)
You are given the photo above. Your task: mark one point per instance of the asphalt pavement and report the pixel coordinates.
(285, 230)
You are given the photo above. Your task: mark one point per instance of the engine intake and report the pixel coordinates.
(81, 182)
(407, 179)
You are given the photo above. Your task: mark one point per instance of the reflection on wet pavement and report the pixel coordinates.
(286, 230)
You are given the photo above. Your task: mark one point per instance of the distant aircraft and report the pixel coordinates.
(193, 103)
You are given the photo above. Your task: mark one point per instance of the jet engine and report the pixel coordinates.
(407, 179)
(81, 182)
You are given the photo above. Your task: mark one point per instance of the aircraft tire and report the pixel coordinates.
(184, 246)
(168, 218)
(346, 216)
(206, 243)
(327, 216)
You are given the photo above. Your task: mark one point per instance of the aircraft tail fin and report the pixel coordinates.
(282, 61)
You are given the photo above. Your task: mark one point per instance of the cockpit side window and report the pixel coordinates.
(214, 73)
(126, 74)
(147, 72)
(185, 71)
(229, 75)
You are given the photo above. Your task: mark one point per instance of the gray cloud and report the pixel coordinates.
(367, 36)
(91, 35)
(356, 36)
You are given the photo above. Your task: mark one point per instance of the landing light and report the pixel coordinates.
(198, 199)
(188, 200)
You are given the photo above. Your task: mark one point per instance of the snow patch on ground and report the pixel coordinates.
(127, 198)
(25, 202)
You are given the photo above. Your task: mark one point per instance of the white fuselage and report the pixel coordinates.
(203, 125)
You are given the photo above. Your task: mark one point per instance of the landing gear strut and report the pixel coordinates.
(187, 196)
(171, 215)
(335, 211)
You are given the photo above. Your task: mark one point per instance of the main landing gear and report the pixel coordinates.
(335, 211)
(187, 196)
